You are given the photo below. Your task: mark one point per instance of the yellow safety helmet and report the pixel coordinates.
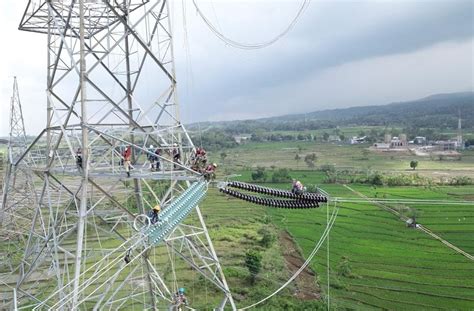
(157, 207)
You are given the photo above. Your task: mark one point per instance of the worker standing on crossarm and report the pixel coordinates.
(157, 159)
(127, 157)
(199, 159)
(151, 156)
(210, 172)
(176, 156)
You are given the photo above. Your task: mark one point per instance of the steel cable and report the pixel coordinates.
(251, 46)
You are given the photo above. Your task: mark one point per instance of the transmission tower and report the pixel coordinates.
(18, 198)
(111, 86)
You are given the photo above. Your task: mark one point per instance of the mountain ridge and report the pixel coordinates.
(437, 110)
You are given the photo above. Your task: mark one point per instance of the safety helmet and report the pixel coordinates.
(157, 207)
(181, 290)
(214, 164)
(151, 146)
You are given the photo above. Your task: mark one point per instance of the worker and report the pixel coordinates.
(79, 159)
(210, 172)
(151, 155)
(199, 159)
(157, 159)
(176, 155)
(297, 187)
(154, 214)
(127, 257)
(179, 300)
(127, 157)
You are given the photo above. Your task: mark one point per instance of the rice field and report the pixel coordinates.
(376, 262)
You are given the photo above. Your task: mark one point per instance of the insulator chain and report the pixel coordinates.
(298, 201)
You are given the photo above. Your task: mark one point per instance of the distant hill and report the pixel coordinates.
(435, 111)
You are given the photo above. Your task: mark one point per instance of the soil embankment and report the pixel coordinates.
(305, 284)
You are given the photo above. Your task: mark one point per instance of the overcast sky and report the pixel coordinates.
(339, 54)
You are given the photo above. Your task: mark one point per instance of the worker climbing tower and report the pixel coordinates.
(111, 87)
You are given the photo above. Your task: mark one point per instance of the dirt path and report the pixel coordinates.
(305, 283)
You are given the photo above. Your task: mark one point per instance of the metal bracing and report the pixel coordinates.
(110, 85)
(18, 197)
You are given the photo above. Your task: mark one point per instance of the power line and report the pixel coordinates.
(316, 248)
(251, 46)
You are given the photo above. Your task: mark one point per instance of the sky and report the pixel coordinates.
(340, 53)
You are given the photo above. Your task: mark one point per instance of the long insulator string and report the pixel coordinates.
(307, 196)
(271, 202)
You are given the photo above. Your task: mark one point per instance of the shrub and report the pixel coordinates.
(376, 179)
(461, 181)
(260, 174)
(253, 262)
(267, 237)
(312, 188)
(344, 268)
(328, 168)
(281, 175)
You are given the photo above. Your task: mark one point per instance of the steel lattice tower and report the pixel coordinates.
(18, 198)
(111, 83)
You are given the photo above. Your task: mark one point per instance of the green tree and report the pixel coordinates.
(253, 262)
(376, 179)
(325, 136)
(260, 174)
(413, 164)
(267, 237)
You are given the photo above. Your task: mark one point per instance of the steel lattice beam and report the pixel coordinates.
(111, 83)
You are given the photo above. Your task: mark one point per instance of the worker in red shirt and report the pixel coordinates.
(127, 158)
(210, 172)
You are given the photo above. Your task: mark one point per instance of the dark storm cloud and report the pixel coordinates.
(334, 33)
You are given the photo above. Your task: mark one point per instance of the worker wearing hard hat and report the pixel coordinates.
(154, 214)
(210, 172)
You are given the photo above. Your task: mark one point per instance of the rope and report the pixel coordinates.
(251, 46)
